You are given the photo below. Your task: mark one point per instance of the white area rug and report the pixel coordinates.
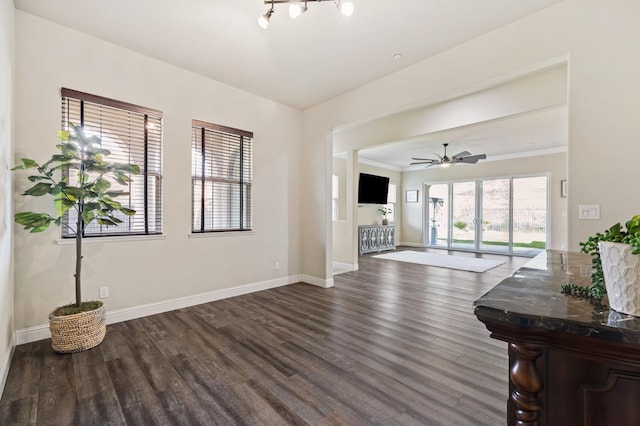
(450, 261)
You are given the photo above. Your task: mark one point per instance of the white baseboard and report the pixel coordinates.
(411, 245)
(6, 363)
(40, 332)
(319, 282)
(345, 266)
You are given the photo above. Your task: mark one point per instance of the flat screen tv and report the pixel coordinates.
(372, 189)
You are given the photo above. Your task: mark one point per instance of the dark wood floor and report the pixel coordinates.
(393, 343)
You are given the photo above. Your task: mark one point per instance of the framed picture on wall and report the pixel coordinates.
(412, 196)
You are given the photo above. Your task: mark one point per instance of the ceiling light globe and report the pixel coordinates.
(346, 7)
(263, 21)
(295, 10)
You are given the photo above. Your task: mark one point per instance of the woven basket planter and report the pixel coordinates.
(77, 332)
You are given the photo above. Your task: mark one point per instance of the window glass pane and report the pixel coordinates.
(495, 215)
(529, 214)
(391, 203)
(438, 209)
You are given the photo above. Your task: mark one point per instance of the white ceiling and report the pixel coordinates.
(298, 62)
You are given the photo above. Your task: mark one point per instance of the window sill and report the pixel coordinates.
(220, 234)
(120, 239)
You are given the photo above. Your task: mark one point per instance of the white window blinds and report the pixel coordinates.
(221, 178)
(133, 134)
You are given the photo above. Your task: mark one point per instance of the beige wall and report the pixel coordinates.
(554, 165)
(599, 39)
(49, 56)
(7, 326)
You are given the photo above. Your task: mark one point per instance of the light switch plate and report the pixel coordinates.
(589, 211)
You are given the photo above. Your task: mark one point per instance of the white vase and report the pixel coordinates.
(621, 269)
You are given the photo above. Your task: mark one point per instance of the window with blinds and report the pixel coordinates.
(221, 170)
(133, 134)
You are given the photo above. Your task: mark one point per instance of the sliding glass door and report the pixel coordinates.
(463, 215)
(529, 214)
(506, 215)
(438, 214)
(495, 223)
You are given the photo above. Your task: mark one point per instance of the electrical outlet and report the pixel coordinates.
(277, 266)
(104, 292)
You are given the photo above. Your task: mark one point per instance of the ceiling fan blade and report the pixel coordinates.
(422, 159)
(472, 159)
(462, 154)
(430, 162)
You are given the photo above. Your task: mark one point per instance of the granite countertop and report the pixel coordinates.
(531, 298)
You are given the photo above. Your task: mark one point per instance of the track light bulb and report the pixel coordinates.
(263, 21)
(296, 10)
(346, 7)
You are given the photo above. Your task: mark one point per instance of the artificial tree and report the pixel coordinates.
(90, 194)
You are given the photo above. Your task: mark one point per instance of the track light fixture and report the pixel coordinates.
(263, 21)
(296, 10)
(298, 7)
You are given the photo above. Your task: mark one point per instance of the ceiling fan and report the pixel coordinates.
(444, 161)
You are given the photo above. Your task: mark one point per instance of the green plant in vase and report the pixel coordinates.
(629, 234)
(384, 211)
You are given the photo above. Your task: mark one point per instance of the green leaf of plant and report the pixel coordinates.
(105, 221)
(92, 206)
(32, 220)
(115, 193)
(100, 151)
(26, 163)
(63, 135)
(127, 168)
(41, 228)
(113, 204)
(88, 216)
(101, 185)
(38, 189)
(73, 192)
(69, 150)
(62, 204)
(128, 212)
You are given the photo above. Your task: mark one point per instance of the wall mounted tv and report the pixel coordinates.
(372, 189)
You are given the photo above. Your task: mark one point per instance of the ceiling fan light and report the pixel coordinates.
(346, 7)
(443, 165)
(263, 21)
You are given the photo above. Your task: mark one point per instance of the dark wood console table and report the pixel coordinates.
(571, 362)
